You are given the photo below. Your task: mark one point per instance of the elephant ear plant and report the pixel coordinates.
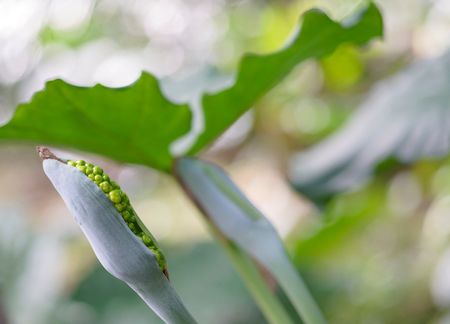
(140, 124)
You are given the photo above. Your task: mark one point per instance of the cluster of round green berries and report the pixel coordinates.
(121, 202)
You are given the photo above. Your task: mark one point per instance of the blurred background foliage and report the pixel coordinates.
(378, 253)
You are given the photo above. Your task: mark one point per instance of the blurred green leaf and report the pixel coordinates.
(346, 216)
(356, 261)
(404, 119)
(138, 123)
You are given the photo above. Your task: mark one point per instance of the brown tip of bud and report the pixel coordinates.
(166, 273)
(45, 154)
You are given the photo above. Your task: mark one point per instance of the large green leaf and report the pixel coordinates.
(318, 36)
(137, 124)
(134, 124)
(405, 118)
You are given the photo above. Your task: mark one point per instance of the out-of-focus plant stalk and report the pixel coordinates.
(234, 218)
(268, 302)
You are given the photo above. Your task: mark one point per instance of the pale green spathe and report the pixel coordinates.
(119, 251)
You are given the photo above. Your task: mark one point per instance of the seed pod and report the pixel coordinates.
(121, 251)
(121, 202)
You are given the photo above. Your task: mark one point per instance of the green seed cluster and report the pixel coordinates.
(121, 202)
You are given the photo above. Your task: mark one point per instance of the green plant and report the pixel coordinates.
(138, 124)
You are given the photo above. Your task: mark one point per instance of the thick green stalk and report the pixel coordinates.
(288, 277)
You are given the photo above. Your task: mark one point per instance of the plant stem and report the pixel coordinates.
(270, 305)
(297, 291)
(286, 274)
